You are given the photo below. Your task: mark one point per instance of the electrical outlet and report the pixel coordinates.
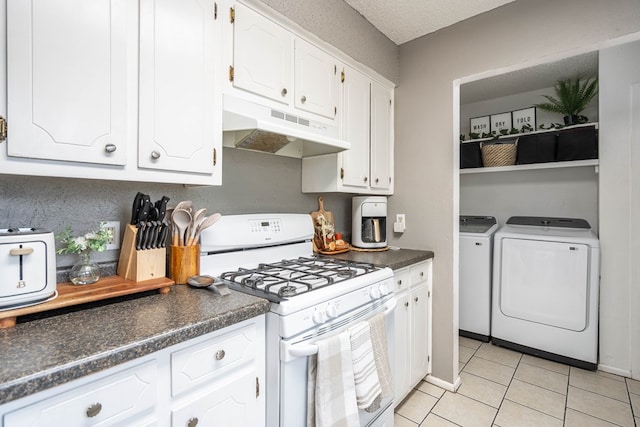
(114, 226)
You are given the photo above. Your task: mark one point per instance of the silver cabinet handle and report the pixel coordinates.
(193, 422)
(94, 409)
(366, 179)
(377, 180)
(110, 148)
(406, 304)
(303, 99)
(284, 91)
(416, 299)
(400, 282)
(155, 154)
(220, 354)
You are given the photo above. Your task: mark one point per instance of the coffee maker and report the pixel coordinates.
(369, 222)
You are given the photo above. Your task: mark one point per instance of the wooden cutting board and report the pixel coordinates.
(327, 214)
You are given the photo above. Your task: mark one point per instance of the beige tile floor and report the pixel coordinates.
(504, 388)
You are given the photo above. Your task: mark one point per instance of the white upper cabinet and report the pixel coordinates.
(270, 61)
(316, 80)
(176, 128)
(381, 137)
(367, 124)
(113, 89)
(355, 129)
(66, 83)
(262, 55)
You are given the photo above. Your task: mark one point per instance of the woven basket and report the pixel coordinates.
(499, 154)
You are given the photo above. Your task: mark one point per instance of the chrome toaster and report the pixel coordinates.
(28, 266)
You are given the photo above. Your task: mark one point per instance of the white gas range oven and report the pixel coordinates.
(312, 298)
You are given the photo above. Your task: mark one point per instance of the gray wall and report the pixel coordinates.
(426, 158)
(252, 182)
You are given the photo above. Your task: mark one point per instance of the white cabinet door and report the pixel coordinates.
(176, 129)
(316, 80)
(381, 146)
(262, 56)
(67, 80)
(418, 299)
(402, 365)
(235, 404)
(355, 129)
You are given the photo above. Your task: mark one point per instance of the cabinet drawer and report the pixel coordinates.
(218, 356)
(401, 280)
(420, 273)
(231, 405)
(109, 401)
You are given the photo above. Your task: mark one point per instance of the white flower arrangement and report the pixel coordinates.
(92, 241)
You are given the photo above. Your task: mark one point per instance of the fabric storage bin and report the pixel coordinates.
(577, 144)
(501, 153)
(537, 148)
(470, 155)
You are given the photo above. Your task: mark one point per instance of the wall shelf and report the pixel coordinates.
(533, 166)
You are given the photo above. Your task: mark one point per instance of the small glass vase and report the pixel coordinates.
(84, 272)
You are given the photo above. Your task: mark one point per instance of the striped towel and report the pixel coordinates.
(368, 390)
(380, 354)
(331, 396)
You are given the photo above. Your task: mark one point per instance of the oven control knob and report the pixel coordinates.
(374, 292)
(332, 311)
(318, 316)
(384, 290)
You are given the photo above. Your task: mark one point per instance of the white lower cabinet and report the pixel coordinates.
(119, 398)
(215, 379)
(413, 287)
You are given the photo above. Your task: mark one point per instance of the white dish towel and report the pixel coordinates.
(368, 390)
(380, 353)
(331, 395)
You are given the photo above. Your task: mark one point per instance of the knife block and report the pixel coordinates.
(140, 265)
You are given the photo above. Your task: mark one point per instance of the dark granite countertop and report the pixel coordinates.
(44, 352)
(394, 259)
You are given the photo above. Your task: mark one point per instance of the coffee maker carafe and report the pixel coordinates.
(369, 222)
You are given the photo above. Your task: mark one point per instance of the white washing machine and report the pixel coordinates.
(476, 251)
(545, 289)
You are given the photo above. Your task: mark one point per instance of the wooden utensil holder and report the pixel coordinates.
(143, 264)
(184, 262)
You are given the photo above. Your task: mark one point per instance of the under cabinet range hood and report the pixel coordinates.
(252, 126)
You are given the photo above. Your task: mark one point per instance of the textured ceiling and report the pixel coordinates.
(404, 20)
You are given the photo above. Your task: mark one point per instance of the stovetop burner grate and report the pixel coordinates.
(288, 278)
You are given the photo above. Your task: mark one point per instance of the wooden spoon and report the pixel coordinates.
(206, 223)
(181, 219)
(198, 217)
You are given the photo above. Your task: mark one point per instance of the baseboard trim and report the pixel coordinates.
(452, 387)
(616, 371)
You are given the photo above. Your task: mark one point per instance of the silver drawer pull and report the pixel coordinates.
(220, 354)
(155, 154)
(284, 92)
(406, 304)
(94, 409)
(110, 148)
(303, 99)
(193, 422)
(21, 251)
(399, 282)
(416, 299)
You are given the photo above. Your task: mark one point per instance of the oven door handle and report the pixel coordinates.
(304, 350)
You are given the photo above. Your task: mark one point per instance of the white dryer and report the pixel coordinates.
(545, 289)
(476, 252)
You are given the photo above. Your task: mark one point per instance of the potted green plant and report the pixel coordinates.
(573, 96)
